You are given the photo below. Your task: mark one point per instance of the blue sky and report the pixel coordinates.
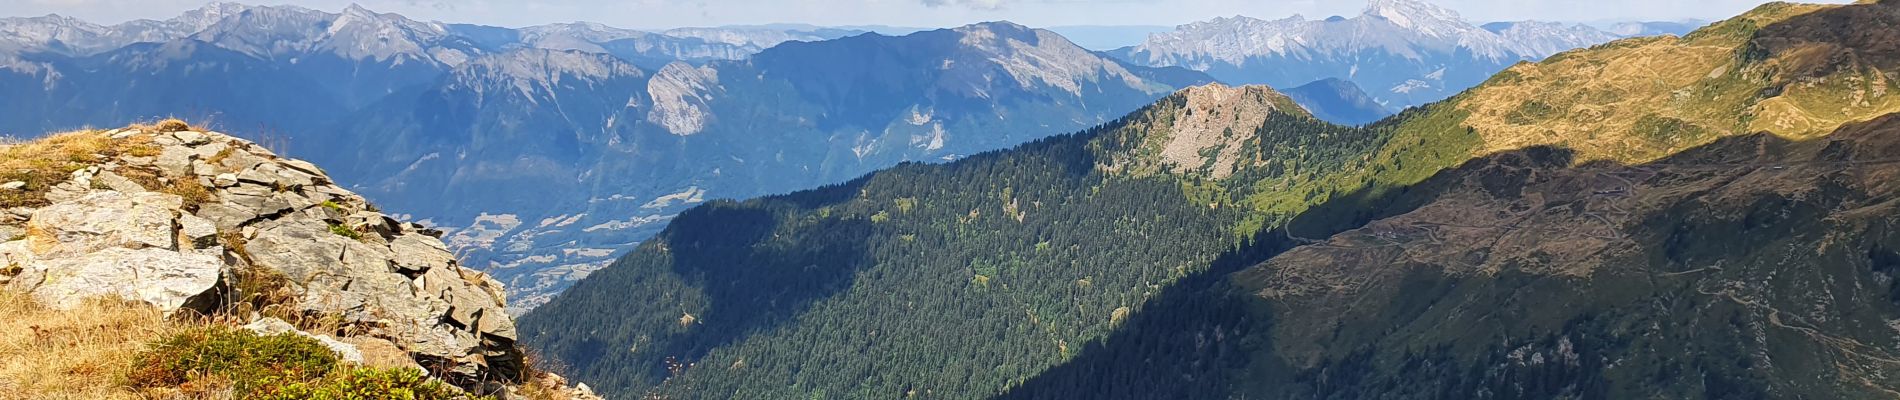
(922, 13)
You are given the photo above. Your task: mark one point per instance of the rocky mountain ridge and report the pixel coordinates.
(618, 152)
(620, 134)
(200, 223)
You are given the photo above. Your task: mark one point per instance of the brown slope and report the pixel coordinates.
(1797, 70)
(1757, 264)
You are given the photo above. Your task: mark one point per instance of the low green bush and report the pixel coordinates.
(365, 384)
(248, 360)
(279, 367)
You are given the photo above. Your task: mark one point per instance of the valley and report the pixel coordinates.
(1398, 204)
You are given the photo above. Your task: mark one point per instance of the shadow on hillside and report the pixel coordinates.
(728, 253)
(1190, 340)
(720, 254)
(1197, 338)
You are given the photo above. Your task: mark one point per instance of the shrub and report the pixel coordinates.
(286, 366)
(345, 231)
(364, 384)
(249, 361)
(189, 189)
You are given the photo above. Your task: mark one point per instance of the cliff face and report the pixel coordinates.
(201, 223)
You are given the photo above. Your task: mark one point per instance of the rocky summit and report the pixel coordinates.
(203, 223)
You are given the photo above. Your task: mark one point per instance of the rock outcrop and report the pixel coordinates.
(203, 222)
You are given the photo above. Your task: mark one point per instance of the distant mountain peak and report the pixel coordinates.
(1206, 128)
(1412, 13)
(995, 26)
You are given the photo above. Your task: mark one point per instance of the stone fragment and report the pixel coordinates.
(174, 161)
(202, 233)
(209, 151)
(373, 222)
(226, 216)
(417, 253)
(118, 183)
(190, 138)
(240, 160)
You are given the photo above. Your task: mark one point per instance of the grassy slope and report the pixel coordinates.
(1634, 100)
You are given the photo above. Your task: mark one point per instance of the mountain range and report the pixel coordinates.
(1587, 226)
(614, 130)
(1405, 53)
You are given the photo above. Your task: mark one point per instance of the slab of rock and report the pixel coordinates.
(167, 279)
(200, 232)
(118, 183)
(272, 327)
(209, 150)
(226, 216)
(224, 180)
(416, 253)
(107, 219)
(241, 160)
(190, 138)
(174, 161)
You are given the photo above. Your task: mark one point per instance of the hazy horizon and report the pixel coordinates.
(656, 14)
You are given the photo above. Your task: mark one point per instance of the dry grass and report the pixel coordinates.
(189, 189)
(46, 162)
(79, 354)
(1606, 102)
(166, 125)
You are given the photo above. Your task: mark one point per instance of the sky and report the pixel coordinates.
(653, 14)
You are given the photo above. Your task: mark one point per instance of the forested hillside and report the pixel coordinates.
(1009, 262)
(1215, 245)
